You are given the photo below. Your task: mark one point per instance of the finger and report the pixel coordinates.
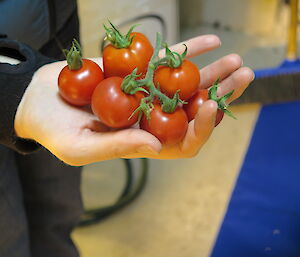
(94, 147)
(237, 81)
(221, 68)
(196, 46)
(200, 128)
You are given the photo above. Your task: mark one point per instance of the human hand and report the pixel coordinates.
(76, 137)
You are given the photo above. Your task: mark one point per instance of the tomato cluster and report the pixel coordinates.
(136, 86)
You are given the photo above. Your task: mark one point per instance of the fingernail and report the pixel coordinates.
(211, 39)
(146, 149)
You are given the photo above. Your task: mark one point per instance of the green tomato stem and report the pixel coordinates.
(74, 56)
(168, 105)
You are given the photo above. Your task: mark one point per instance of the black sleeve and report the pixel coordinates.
(14, 80)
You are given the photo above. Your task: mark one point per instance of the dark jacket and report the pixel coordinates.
(46, 27)
(34, 22)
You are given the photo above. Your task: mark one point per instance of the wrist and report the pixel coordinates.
(19, 126)
(18, 63)
(24, 115)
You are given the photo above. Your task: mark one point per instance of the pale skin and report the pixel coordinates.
(77, 137)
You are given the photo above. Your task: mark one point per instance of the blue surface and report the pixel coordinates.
(263, 216)
(286, 67)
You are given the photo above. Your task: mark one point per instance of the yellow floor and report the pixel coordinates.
(180, 211)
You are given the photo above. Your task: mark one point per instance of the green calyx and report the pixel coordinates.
(74, 56)
(144, 108)
(114, 36)
(169, 105)
(173, 59)
(221, 101)
(130, 85)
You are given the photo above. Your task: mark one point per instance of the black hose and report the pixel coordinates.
(93, 216)
(129, 176)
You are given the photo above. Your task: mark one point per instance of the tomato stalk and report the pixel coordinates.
(130, 86)
(168, 104)
(74, 56)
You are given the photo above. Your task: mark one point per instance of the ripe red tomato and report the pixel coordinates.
(112, 106)
(219, 117)
(169, 128)
(186, 78)
(122, 61)
(196, 101)
(77, 86)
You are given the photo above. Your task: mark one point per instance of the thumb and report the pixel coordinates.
(97, 147)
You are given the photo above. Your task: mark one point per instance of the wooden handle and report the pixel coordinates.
(292, 40)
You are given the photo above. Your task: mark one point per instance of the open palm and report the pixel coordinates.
(77, 137)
